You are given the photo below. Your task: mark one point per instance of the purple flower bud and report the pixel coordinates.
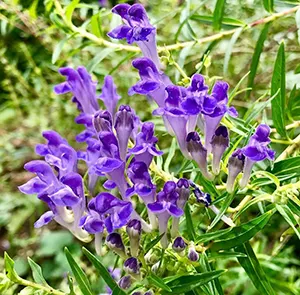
(178, 245)
(198, 153)
(137, 293)
(125, 282)
(149, 292)
(134, 230)
(115, 243)
(132, 266)
(192, 254)
(219, 143)
(235, 166)
(124, 125)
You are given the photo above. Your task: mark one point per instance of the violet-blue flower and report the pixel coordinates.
(165, 206)
(152, 83)
(219, 143)
(198, 153)
(137, 28)
(109, 95)
(256, 150)
(64, 196)
(145, 145)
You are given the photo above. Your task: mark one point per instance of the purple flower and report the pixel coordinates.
(235, 167)
(219, 143)
(136, 28)
(124, 125)
(80, 83)
(213, 118)
(152, 83)
(109, 95)
(64, 197)
(142, 186)
(144, 149)
(256, 150)
(125, 282)
(184, 193)
(198, 153)
(165, 206)
(113, 212)
(176, 116)
(102, 121)
(110, 163)
(58, 153)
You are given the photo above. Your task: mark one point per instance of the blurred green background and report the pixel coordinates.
(34, 43)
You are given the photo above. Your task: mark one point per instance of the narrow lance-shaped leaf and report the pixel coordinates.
(278, 82)
(37, 272)
(103, 272)
(79, 275)
(158, 282)
(268, 5)
(253, 269)
(255, 58)
(218, 14)
(189, 223)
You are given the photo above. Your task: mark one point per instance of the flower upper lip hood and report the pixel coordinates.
(137, 26)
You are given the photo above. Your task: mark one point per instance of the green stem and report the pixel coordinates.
(177, 46)
(33, 285)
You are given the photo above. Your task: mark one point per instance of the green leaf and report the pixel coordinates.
(224, 255)
(70, 9)
(58, 49)
(268, 5)
(278, 82)
(288, 215)
(102, 270)
(288, 167)
(98, 58)
(171, 154)
(158, 282)
(37, 272)
(9, 265)
(253, 269)
(218, 14)
(149, 246)
(228, 51)
(224, 207)
(79, 275)
(71, 285)
(229, 238)
(226, 21)
(96, 25)
(186, 283)
(255, 58)
(189, 223)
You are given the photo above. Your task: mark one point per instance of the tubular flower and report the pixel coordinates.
(164, 207)
(109, 95)
(198, 153)
(136, 28)
(256, 150)
(64, 197)
(235, 166)
(219, 144)
(115, 243)
(144, 149)
(152, 83)
(183, 189)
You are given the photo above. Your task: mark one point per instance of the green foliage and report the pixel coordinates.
(258, 58)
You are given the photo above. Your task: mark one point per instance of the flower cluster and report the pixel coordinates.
(120, 149)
